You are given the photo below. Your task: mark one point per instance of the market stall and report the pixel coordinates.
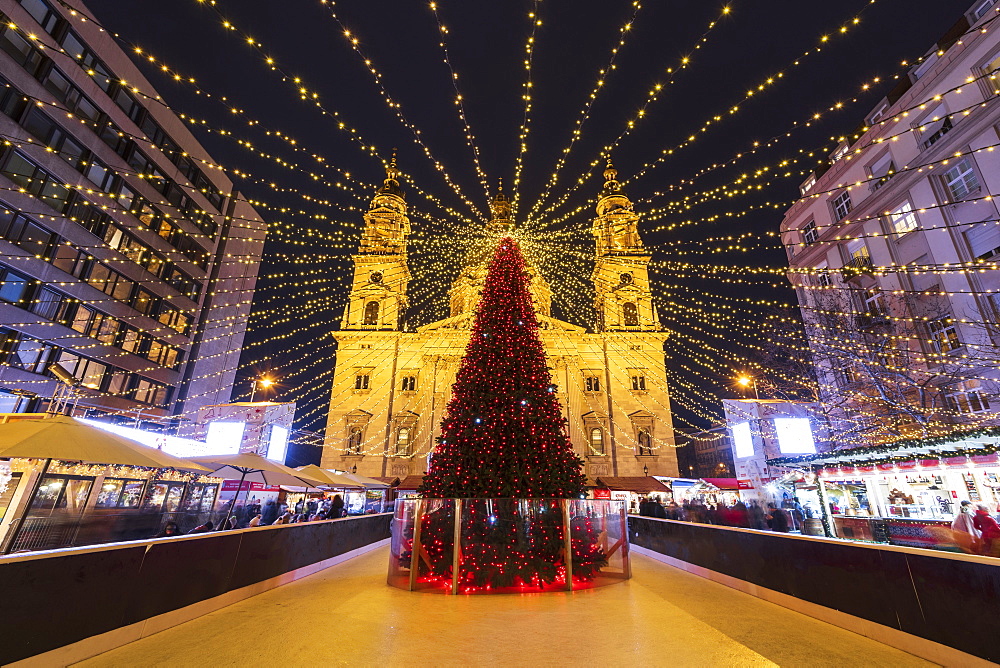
(905, 493)
(632, 489)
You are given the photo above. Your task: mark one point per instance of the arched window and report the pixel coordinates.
(645, 443)
(403, 441)
(371, 313)
(354, 441)
(630, 314)
(597, 440)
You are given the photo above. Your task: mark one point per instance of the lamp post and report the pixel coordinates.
(645, 470)
(265, 383)
(749, 380)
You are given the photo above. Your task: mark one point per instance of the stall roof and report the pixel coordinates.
(723, 483)
(958, 442)
(389, 480)
(411, 482)
(638, 484)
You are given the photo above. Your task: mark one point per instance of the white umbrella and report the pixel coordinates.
(330, 478)
(365, 482)
(253, 468)
(62, 437)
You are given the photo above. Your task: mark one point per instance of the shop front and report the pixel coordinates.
(906, 495)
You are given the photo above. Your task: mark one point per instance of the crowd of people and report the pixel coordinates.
(750, 515)
(975, 530)
(270, 513)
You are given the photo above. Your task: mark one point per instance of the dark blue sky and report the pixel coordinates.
(486, 42)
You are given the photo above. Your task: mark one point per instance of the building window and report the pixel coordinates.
(874, 301)
(823, 279)
(842, 205)
(942, 334)
(961, 180)
(353, 442)
(592, 383)
(371, 313)
(882, 170)
(645, 443)
(989, 71)
(638, 382)
(403, 441)
(630, 314)
(903, 219)
(984, 240)
(981, 9)
(967, 401)
(597, 441)
(361, 381)
(409, 384)
(810, 234)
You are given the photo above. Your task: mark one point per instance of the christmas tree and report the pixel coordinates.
(504, 435)
(505, 450)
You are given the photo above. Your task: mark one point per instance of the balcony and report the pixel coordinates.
(860, 265)
(870, 321)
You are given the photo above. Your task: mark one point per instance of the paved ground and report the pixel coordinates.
(347, 615)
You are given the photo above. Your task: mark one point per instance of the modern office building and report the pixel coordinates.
(893, 250)
(126, 258)
(391, 386)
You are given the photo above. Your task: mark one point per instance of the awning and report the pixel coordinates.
(986, 439)
(637, 484)
(411, 482)
(723, 483)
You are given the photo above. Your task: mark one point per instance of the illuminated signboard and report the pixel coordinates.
(795, 436)
(277, 444)
(225, 438)
(743, 440)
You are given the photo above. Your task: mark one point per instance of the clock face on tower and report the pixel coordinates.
(626, 278)
(376, 277)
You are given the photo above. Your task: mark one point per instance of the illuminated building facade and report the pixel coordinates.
(391, 387)
(893, 249)
(126, 258)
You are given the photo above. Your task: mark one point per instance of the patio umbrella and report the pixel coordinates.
(365, 482)
(254, 468)
(329, 477)
(62, 437)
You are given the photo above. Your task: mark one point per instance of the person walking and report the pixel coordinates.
(989, 530)
(777, 520)
(337, 507)
(270, 512)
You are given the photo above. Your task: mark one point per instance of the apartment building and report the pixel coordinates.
(893, 249)
(126, 258)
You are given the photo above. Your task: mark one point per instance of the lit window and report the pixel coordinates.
(903, 219)
(842, 205)
(597, 440)
(403, 441)
(942, 334)
(961, 180)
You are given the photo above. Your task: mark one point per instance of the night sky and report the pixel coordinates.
(486, 42)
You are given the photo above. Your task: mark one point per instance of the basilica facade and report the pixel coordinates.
(391, 387)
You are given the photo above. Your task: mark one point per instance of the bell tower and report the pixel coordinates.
(465, 291)
(378, 293)
(621, 278)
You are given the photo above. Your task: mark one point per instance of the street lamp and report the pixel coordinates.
(265, 383)
(645, 470)
(354, 469)
(745, 381)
